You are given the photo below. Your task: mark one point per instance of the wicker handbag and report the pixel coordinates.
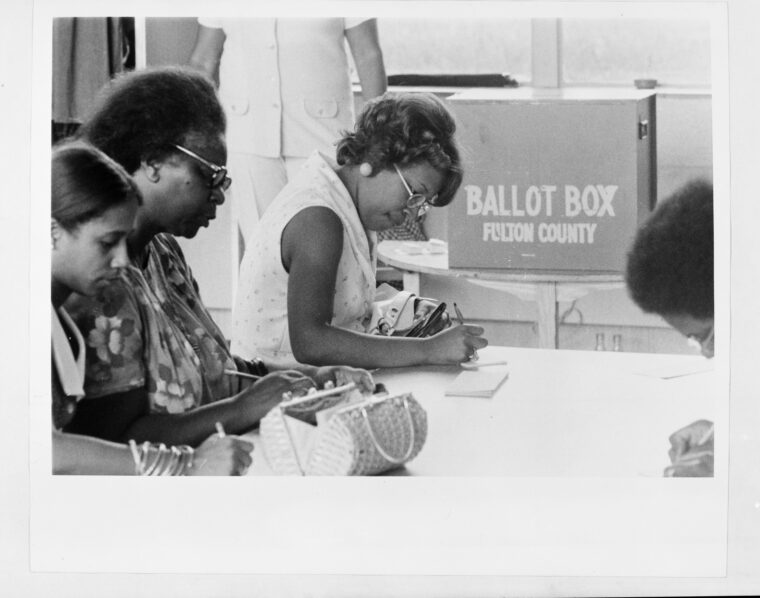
(357, 435)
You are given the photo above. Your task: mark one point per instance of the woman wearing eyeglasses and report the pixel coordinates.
(307, 280)
(158, 365)
(670, 273)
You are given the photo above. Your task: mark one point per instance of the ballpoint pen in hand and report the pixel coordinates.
(707, 435)
(460, 318)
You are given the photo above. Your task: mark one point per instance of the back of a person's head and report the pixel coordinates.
(85, 183)
(405, 128)
(140, 115)
(670, 265)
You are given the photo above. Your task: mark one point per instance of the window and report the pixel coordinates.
(617, 51)
(439, 46)
(676, 52)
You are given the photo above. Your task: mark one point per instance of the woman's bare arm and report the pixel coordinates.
(311, 246)
(207, 53)
(365, 47)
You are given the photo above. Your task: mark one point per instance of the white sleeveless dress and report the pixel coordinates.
(260, 317)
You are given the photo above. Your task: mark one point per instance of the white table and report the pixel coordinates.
(546, 288)
(560, 413)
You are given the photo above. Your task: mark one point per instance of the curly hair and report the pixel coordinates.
(140, 115)
(670, 265)
(85, 183)
(405, 128)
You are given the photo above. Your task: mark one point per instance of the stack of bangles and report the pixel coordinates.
(161, 460)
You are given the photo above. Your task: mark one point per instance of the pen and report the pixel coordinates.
(707, 435)
(460, 318)
(220, 430)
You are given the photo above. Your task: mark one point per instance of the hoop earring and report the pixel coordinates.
(365, 169)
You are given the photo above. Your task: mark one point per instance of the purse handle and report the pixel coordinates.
(385, 455)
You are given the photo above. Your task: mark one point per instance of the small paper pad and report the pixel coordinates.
(478, 383)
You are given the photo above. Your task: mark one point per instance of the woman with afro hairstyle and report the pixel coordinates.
(670, 273)
(307, 280)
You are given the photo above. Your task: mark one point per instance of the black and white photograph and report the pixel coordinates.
(430, 298)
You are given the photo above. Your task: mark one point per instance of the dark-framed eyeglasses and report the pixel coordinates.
(219, 178)
(416, 201)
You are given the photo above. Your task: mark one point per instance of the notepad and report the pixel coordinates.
(478, 383)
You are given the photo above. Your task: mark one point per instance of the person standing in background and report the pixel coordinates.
(286, 90)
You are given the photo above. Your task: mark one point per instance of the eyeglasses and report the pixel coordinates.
(219, 178)
(700, 342)
(416, 201)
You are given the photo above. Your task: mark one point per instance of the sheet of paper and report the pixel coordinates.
(478, 383)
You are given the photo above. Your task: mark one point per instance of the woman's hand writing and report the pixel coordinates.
(691, 452)
(454, 345)
(264, 394)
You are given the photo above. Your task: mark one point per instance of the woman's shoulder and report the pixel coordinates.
(167, 246)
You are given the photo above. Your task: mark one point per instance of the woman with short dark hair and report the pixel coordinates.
(307, 280)
(670, 266)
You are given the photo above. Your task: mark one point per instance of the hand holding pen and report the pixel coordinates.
(460, 318)
(691, 452)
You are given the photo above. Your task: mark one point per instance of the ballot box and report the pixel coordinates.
(554, 180)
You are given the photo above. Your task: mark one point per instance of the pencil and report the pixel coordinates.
(472, 366)
(220, 430)
(241, 374)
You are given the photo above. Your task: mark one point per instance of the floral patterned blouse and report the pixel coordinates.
(151, 330)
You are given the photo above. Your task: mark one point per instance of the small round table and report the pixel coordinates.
(546, 288)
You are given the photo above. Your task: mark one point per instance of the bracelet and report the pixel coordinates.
(160, 460)
(188, 455)
(149, 452)
(170, 467)
(136, 457)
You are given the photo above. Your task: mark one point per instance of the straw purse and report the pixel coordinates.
(342, 432)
